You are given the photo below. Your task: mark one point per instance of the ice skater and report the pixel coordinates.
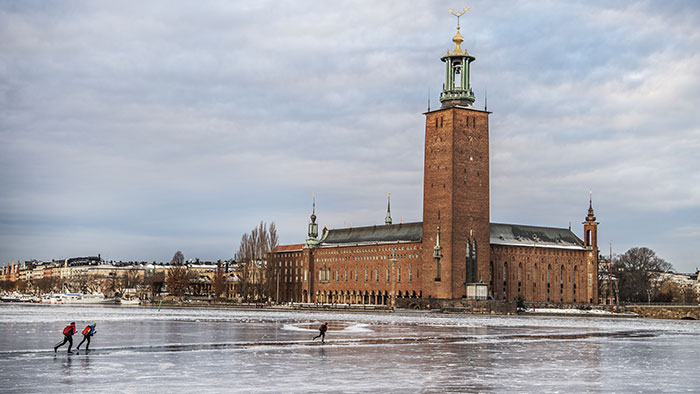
(322, 332)
(88, 332)
(67, 337)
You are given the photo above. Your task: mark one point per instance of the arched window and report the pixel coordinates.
(574, 282)
(561, 283)
(468, 264)
(457, 74)
(491, 278)
(520, 268)
(534, 282)
(505, 280)
(549, 277)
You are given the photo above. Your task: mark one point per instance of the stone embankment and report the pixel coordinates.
(686, 312)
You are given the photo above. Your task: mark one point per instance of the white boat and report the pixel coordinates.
(130, 301)
(79, 298)
(51, 298)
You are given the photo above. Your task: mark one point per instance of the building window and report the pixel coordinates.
(561, 283)
(346, 274)
(366, 274)
(410, 273)
(355, 274)
(388, 274)
(398, 274)
(376, 275)
(505, 280)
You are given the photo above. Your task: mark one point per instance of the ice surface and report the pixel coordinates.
(229, 350)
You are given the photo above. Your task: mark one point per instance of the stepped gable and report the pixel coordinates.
(404, 232)
(522, 235)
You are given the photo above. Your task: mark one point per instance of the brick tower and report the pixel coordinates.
(590, 242)
(456, 238)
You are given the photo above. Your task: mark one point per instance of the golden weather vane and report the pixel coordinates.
(458, 13)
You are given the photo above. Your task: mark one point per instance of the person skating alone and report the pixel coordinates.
(322, 332)
(67, 337)
(88, 332)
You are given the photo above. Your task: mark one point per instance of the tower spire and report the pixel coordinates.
(387, 219)
(312, 239)
(591, 214)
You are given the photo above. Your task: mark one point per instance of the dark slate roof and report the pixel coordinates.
(404, 232)
(501, 234)
(522, 235)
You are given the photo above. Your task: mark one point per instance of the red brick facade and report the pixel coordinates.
(455, 188)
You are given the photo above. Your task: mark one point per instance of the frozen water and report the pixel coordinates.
(228, 350)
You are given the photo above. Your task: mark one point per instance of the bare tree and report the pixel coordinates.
(252, 259)
(130, 280)
(634, 270)
(21, 285)
(84, 282)
(155, 282)
(178, 278)
(47, 284)
(219, 282)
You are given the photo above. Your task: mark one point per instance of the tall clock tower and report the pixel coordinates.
(456, 238)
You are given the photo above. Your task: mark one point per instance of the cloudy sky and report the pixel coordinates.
(135, 129)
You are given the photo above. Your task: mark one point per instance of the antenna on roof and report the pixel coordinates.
(486, 99)
(569, 225)
(428, 99)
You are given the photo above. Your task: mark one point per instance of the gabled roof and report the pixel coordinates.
(535, 236)
(403, 232)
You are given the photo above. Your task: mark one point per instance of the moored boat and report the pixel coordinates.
(129, 301)
(79, 298)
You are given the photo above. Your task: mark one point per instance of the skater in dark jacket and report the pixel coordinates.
(88, 332)
(67, 337)
(322, 332)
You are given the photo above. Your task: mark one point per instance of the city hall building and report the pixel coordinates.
(455, 252)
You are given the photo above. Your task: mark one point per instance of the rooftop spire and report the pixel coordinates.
(591, 214)
(387, 219)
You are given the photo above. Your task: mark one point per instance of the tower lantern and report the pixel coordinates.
(457, 89)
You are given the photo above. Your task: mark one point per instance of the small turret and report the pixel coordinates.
(387, 219)
(590, 227)
(312, 238)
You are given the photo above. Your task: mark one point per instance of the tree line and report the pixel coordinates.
(636, 279)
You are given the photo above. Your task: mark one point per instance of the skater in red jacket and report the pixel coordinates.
(67, 337)
(88, 332)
